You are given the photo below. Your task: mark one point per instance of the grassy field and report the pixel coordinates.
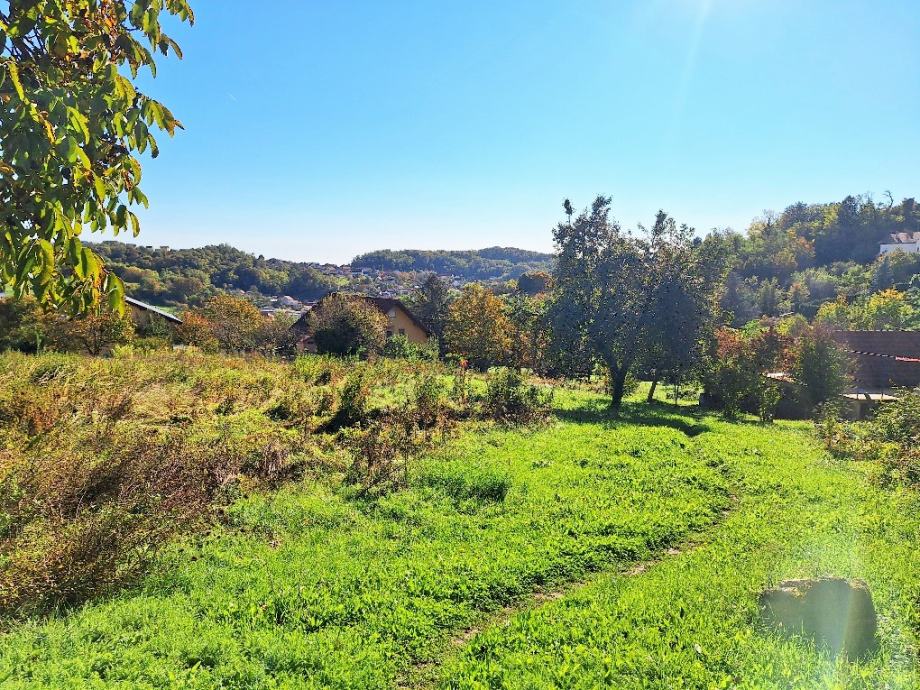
(575, 554)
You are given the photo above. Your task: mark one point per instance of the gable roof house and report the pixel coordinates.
(400, 320)
(901, 242)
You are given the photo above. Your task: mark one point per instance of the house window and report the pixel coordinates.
(389, 334)
(402, 331)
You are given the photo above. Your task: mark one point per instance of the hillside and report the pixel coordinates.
(178, 277)
(492, 263)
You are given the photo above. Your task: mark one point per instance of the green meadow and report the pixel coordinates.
(577, 553)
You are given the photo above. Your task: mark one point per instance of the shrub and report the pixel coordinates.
(23, 325)
(380, 455)
(510, 398)
(94, 334)
(819, 368)
(427, 407)
(231, 324)
(400, 347)
(891, 439)
(732, 372)
(103, 460)
(352, 407)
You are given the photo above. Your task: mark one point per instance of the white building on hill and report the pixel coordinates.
(901, 242)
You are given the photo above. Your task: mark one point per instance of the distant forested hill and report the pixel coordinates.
(176, 277)
(491, 263)
(814, 253)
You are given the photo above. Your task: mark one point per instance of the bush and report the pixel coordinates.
(227, 323)
(23, 325)
(380, 456)
(103, 460)
(400, 347)
(819, 368)
(732, 372)
(94, 334)
(892, 439)
(510, 398)
(352, 407)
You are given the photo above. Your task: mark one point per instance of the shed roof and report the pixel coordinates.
(155, 310)
(883, 359)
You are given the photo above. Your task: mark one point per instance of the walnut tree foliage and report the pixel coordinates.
(72, 126)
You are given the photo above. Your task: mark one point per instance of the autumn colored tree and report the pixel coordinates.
(888, 310)
(834, 314)
(478, 328)
(93, 332)
(231, 324)
(72, 125)
(530, 338)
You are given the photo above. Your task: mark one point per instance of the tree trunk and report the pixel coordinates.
(651, 390)
(617, 384)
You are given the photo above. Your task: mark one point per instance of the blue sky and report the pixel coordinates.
(318, 130)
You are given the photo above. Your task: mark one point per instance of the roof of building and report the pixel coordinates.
(883, 359)
(903, 238)
(156, 310)
(384, 304)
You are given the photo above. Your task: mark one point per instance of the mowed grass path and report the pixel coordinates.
(690, 621)
(310, 587)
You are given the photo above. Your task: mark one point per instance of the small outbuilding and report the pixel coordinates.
(145, 315)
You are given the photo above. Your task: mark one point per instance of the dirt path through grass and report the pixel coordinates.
(690, 620)
(426, 673)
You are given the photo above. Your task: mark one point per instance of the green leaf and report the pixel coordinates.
(116, 294)
(89, 264)
(17, 84)
(68, 150)
(78, 122)
(99, 184)
(74, 249)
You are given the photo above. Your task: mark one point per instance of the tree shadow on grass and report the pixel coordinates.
(685, 420)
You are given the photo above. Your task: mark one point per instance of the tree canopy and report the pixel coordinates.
(72, 126)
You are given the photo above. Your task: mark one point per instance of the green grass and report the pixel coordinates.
(310, 587)
(690, 621)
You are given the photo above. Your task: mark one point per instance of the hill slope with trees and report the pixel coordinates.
(177, 277)
(492, 263)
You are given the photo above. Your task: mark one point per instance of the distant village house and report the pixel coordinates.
(400, 321)
(901, 242)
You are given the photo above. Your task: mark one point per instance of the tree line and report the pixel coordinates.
(492, 263)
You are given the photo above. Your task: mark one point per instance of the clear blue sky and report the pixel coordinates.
(318, 130)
